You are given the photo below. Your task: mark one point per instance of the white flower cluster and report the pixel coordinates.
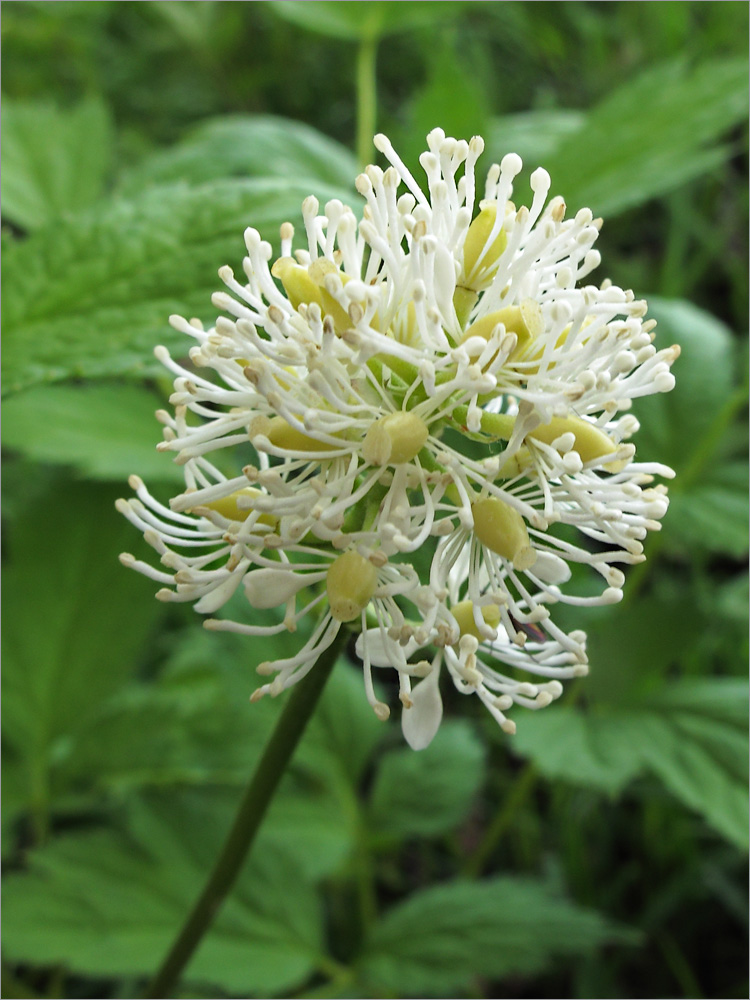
(439, 370)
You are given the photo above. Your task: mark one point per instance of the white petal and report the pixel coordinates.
(420, 722)
(551, 568)
(267, 588)
(382, 650)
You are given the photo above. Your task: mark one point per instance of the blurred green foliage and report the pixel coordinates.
(600, 852)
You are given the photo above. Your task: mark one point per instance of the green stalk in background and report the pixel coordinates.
(366, 99)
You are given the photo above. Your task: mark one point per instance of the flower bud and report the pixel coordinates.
(395, 439)
(298, 285)
(318, 272)
(524, 320)
(464, 615)
(478, 257)
(281, 434)
(590, 441)
(228, 507)
(350, 582)
(502, 530)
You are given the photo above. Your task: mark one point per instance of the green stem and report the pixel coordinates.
(520, 791)
(258, 795)
(366, 99)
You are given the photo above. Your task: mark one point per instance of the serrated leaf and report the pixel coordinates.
(100, 904)
(74, 621)
(589, 749)
(248, 146)
(651, 135)
(692, 734)
(55, 161)
(105, 431)
(91, 298)
(430, 792)
(355, 21)
(439, 939)
(194, 726)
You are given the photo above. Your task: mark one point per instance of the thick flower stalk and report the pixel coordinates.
(438, 374)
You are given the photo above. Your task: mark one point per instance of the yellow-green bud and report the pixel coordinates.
(298, 284)
(318, 272)
(475, 254)
(590, 441)
(464, 300)
(514, 466)
(281, 434)
(395, 439)
(502, 529)
(524, 320)
(464, 615)
(350, 583)
(307, 285)
(227, 507)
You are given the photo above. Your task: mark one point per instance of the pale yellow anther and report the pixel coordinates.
(502, 530)
(229, 508)
(477, 261)
(590, 441)
(464, 615)
(350, 583)
(395, 439)
(298, 285)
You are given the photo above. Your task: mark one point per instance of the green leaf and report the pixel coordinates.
(651, 135)
(75, 623)
(534, 135)
(344, 731)
(194, 726)
(673, 424)
(248, 146)
(101, 904)
(91, 298)
(453, 98)
(593, 749)
(686, 428)
(55, 161)
(712, 513)
(441, 938)
(430, 792)
(352, 20)
(104, 431)
(692, 734)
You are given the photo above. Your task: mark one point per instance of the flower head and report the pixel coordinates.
(436, 374)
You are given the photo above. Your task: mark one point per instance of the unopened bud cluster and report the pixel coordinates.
(438, 373)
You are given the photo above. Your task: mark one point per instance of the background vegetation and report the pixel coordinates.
(601, 851)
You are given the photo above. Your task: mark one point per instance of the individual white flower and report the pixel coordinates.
(484, 616)
(437, 369)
